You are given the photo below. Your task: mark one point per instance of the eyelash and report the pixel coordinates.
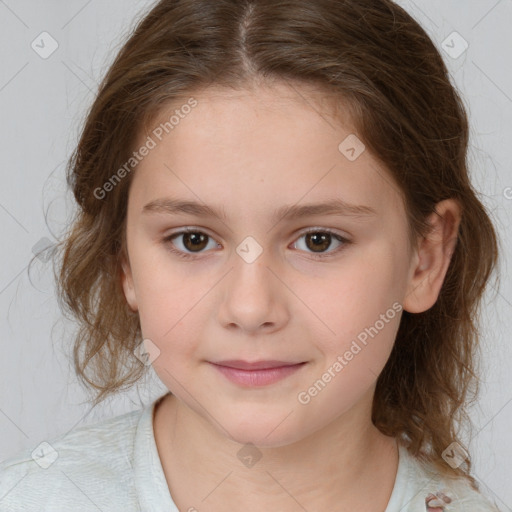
(168, 242)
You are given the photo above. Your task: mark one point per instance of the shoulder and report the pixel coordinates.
(87, 465)
(437, 492)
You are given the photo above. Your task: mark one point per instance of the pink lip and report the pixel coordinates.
(260, 373)
(256, 365)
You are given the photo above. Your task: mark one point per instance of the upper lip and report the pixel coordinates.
(256, 365)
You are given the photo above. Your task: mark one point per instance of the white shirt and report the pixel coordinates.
(113, 466)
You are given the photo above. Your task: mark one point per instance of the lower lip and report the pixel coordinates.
(254, 378)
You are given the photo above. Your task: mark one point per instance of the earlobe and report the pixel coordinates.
(127, 283)
(432, 258)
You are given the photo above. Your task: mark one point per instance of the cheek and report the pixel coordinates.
(360, 312)
(162, 289)
(168, 304)
(354, 295)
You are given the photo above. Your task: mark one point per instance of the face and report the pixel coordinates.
(320, 288)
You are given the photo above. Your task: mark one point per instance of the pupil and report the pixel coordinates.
(320, 241)
(195, 238)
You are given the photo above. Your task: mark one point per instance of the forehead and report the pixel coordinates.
(275, 143)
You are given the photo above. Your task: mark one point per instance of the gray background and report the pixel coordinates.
(42, 104)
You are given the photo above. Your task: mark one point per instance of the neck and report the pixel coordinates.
(333, 467)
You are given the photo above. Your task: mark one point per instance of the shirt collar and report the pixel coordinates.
(150, 483)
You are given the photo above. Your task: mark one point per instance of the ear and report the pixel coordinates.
(432, 257)
(127, 283)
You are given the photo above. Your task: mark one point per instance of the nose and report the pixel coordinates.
(254, 299)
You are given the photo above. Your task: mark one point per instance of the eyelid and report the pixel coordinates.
(323, 229)
(298, 233)
(345, 240)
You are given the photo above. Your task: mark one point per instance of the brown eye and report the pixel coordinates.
(187, 243)
(319, 241)
(194, 241)
(191, 243)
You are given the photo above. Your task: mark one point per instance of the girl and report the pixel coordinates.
(275, 214)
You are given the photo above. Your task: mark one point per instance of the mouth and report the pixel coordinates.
(258, 373)
(256, 365)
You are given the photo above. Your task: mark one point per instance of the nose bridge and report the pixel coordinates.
(253, 296)
(251, 278)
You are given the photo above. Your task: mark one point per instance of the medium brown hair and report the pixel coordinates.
(370, 55)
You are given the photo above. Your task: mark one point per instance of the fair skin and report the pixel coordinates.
(250, 153)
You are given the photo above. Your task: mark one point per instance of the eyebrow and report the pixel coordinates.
(336, 207)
